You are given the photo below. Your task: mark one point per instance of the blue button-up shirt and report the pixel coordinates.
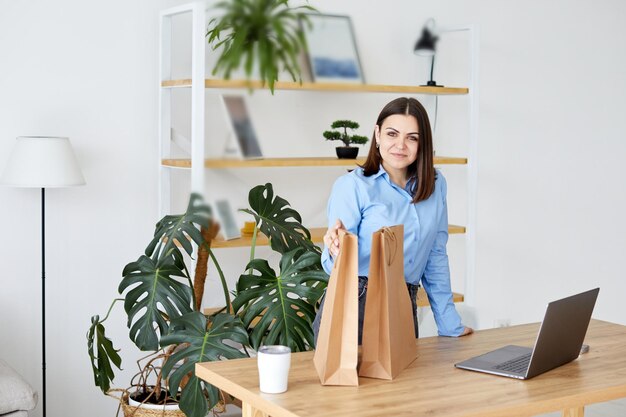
(366, 204)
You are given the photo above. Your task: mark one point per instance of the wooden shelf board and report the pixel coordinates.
(422, 301)
(422, 298)
(317, 235)
(454, 229)
(290, 162)
(337, 87)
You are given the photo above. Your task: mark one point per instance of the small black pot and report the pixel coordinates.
(147, 395)
(347, 152)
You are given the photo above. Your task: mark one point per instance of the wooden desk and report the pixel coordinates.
(431, 386)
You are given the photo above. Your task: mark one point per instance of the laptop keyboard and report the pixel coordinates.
(517, 365)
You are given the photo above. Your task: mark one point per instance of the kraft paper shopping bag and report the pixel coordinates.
(388, 344)
(336, 352)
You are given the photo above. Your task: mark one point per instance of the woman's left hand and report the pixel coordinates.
(466, 331)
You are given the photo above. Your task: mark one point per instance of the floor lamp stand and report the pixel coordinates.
(40, 162)
(43, 297)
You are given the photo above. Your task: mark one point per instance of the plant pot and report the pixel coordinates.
(132, 408)
(136, 409)
(347, 152)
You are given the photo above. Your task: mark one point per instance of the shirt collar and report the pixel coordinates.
(381, 171)
(385, 174)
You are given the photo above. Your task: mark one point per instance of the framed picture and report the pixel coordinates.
(241, 126)
(333, 55)
(226, 218)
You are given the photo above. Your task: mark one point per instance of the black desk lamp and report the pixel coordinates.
(426, 46)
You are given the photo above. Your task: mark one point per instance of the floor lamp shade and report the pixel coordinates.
(42, 162)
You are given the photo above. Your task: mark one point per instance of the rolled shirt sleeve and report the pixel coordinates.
(436, 278)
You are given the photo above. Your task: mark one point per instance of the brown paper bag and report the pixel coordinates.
(336, 353)
(388, 331)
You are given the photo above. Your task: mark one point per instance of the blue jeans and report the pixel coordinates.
(362, 296)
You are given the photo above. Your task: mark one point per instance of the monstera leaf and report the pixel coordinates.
(180, 228)
(278, 221)
(102, 354)
(204, 341)
(283, 303)
(156, 296)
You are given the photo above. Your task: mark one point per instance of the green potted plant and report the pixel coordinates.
(265, 33)
(346, 151)
(163, 302)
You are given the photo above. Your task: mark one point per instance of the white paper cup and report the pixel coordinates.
(273, 362)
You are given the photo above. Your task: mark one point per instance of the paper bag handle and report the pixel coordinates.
(340, 234)
(390, 237)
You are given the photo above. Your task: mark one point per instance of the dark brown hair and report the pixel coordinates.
(421, 173)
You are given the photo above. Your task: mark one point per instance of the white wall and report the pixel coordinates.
(84, 70)
(551, 197)
(550, 174)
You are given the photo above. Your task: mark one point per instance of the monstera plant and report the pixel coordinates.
(163, 303)
(262, 294)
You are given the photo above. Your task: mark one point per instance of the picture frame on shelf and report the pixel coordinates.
(240, 127)
(225, 216)
(332, 51)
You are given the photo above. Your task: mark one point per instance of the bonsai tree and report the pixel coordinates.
(268, 33)
(346, 151)
(163, 302)
(344, 136)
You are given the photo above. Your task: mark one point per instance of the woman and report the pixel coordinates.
(398, 184)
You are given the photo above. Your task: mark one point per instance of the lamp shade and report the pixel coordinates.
(42, 162)
(425, 45)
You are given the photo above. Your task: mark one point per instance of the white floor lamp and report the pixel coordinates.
(42, 162)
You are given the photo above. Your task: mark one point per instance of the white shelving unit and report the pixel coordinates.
(198, 12)
(199, 83)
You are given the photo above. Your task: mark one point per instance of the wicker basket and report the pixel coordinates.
(133, 411)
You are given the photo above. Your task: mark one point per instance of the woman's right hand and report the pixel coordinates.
(331, 238)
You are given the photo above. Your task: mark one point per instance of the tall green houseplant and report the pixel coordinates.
(265, 33)
(269, 307)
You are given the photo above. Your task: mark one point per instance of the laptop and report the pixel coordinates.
(559, 341)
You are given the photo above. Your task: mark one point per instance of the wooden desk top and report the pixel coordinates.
(431, 386)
